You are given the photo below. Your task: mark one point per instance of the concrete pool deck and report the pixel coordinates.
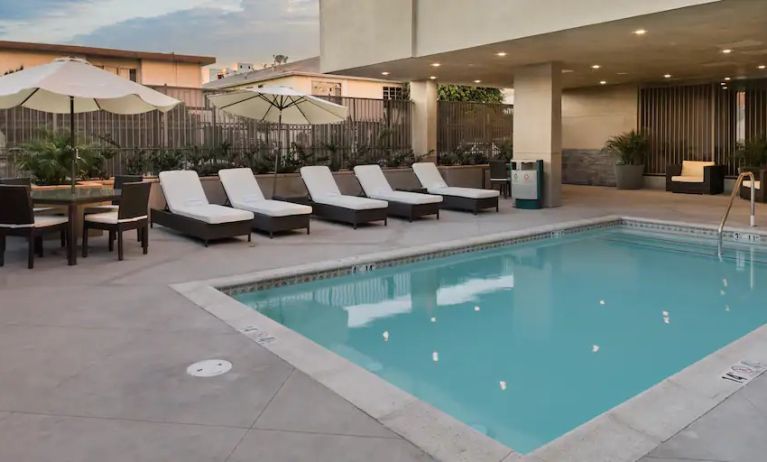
(93, 357)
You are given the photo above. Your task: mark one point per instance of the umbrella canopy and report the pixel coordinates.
(269, 103)
(281, 105)
(55, 86)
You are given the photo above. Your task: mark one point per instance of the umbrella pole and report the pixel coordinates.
(279, 153)
(72, 140)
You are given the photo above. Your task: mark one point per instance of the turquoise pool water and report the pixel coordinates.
(526, 342)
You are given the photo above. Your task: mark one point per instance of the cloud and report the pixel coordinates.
(25, 9)
(254, 31)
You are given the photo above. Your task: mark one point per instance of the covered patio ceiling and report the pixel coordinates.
(687, 44)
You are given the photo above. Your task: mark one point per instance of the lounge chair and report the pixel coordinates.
(271, 216)
(330, 204)
(467, 199)
(695, 177)
(403, 204)
(189, 212)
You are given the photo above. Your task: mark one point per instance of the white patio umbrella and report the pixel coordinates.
(71, 86)
(279, 104)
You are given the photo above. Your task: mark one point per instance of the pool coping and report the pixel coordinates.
(624, 433)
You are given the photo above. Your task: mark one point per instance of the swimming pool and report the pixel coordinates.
(528, 341)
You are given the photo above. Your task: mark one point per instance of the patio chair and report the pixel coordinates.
(466, 199)
(189, 212)
(403, 204)
(760, 193)
(25, 181)
(270, 216)
(118, 182)
(499, 176)
(17, 218)
(330, 204)
(132, 213)
(695, 177)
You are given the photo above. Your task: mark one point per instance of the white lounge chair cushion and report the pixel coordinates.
(182, 188)
(747, 184)
(240, 185)
(244, 193)
(429, 175)
(273, 208)
(372, 179)
(110, 218)
(41, 221)
(319, 181)
(469, 193)
(351, 202)
(376, 186)
(687, 179)
(406, 197)
(213, 214)
(695, 168)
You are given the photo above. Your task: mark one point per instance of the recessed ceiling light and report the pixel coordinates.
(640, 32)
(621, 73)
(722, 84)
(762, 66)
(595, 66)
(727, 79)
(384, 73)
(603, 82)
(435, 64)
(477, 81)
(724, 88)
(666, 76)
(433, 77)
(501, 54)
(727, 51)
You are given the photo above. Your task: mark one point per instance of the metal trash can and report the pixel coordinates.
(527, 184)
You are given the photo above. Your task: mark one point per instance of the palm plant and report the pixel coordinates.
(48, 158)
(753, 153)
(630, 148)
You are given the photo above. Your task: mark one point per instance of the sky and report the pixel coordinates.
(231, 30)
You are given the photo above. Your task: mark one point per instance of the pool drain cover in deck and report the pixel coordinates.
(209, 368)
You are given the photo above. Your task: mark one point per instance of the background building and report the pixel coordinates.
(305, 76)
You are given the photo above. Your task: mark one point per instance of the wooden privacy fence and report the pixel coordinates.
(376, 131)
(478, 127)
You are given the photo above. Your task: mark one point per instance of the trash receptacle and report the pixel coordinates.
(527, 184)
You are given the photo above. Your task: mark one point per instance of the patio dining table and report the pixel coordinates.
(74, 200)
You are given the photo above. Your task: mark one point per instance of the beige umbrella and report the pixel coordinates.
(279, 104)
(71, 86)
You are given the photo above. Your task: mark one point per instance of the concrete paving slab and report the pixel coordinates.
(42, 438)
(278, 446)
(733, 432)
(147, 380)
(329, 412)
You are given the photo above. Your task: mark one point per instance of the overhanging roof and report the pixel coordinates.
(77, 50)
(686, 44)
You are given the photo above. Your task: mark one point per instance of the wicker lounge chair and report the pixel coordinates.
(466, 199)
(402, 204)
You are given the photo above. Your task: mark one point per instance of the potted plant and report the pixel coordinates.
(631, 149)
(752, 155)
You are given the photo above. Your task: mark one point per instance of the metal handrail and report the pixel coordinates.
(735, 191)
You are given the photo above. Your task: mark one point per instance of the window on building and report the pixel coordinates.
(393, 93)
(323, 88)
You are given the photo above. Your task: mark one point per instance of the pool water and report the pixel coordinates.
(526, 342)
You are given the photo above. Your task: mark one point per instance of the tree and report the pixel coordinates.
(469, 94)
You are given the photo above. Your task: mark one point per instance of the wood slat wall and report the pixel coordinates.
(482, 125)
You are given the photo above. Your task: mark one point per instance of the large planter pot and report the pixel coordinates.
(629, 176)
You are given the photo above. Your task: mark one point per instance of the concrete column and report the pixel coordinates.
(424, 115)
(538, 123)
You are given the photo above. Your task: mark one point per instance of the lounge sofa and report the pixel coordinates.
(760, 185)
(695, 177)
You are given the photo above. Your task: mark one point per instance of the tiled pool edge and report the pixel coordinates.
(624, 433)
